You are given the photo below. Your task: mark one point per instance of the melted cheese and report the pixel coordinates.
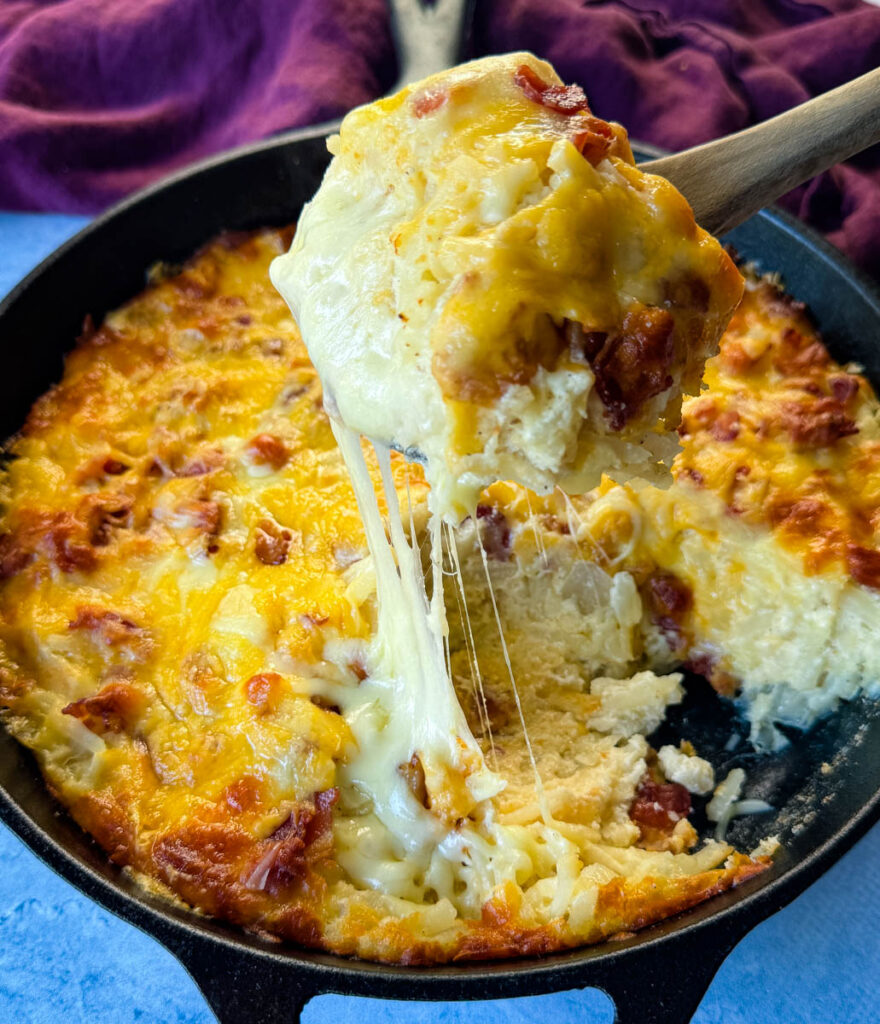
(191, 644)
(468, 231)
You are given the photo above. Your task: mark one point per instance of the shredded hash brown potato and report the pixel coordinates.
(186, 606)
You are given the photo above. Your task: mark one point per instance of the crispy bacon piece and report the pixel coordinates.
(726, 426)
(797, 354)
(564, 99)
(670, 599)
(244, 794)
(844, 387)
(294, 846)
(67, 547)
(660, 806)
(103, 513)
(108, 625)
(494, 532)
(632, 367)
(706, 665)
(268, 450)
(202, 464)
(272, 542)
(863, 565)
(114, 708)
(591, 136)
(204, 515)
(13, 555)
(264, 690)
(816, 424)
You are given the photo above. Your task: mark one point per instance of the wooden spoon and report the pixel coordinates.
(725, 181)
(728, 180)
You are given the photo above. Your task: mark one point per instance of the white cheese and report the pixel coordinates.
(688, 770)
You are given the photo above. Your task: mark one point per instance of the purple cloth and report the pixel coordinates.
(99, 97)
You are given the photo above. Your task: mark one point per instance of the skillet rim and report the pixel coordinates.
(730, 915)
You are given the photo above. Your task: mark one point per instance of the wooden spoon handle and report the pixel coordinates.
(728, 180)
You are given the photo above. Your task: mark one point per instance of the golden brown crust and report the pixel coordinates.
(788, 438)
(176, 556)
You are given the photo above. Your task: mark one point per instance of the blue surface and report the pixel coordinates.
(64, 960)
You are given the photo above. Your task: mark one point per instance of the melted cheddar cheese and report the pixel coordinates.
(187, 614)
(485, 277)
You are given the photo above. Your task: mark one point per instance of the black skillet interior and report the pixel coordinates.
(819, 814)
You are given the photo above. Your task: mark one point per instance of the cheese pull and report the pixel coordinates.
(485, 281)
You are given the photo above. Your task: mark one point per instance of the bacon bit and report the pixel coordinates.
(69, 554)
(669, 599)
(244, 794)
(414, 775)
(735, 357)
(816, 424)
(113, 709)
(105, 513)
(427, 102)
(844, 388)
(583, 345)
(804, 516)
(203, 514)
(706, 665)
(495, 532)
(272, 543)
(660, 805)
(634, 367)
(863, 565)
(268, 449)
(113, 467)
(694, 475)
(669, 596)
(202, 464)
(701, 664)
(798, 353)
(726, 426)
(564, 99)
(592, 138)
(110, 626)
(264, 691)
(304, 838)
(13, 556)
(701, 414)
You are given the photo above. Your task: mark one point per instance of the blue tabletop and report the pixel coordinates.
(64, 960)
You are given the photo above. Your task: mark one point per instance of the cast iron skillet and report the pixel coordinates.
(656, 976)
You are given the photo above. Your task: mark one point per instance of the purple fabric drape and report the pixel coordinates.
(99, 97)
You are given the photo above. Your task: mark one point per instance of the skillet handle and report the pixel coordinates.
(667, 982)
(429, 36)
(240, 989)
